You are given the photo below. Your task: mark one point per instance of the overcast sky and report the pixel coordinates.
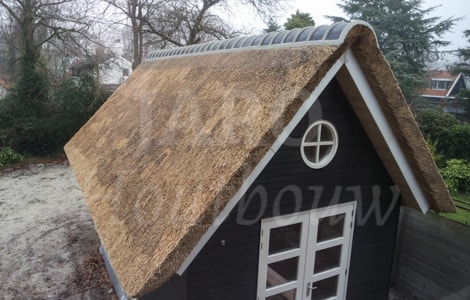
(319, 8)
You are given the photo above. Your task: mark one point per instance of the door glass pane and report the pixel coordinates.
(282, 272)
(289, 295)
(327, 259)
(325, 288)
(330, 228)
(284, 238)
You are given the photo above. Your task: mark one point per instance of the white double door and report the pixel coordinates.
(306, 255)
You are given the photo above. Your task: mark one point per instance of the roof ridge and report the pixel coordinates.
(325, 35)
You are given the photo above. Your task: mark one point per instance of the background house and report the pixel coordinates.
(4, 87)
(443, 88)
(265, 167)
(110, 68)
(114, 72)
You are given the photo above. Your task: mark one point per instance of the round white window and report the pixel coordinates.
(319, 144)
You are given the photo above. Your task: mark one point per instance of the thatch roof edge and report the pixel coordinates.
(399, 116)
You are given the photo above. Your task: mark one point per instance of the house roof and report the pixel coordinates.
(4, 84)
(174, 148)
(441, 75)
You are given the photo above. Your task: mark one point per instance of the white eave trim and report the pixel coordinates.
(385, 129)
(442, 79)
(453, 84)
(434, 96)
(263, 162)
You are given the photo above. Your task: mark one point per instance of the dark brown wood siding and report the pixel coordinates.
(227, 266)
(433, 260)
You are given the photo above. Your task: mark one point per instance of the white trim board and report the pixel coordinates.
(370, 100)
(438, 97)
(378, 115)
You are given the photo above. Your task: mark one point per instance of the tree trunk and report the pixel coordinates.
(135, 14)
(30, 88)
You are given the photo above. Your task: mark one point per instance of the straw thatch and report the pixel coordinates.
(159, 161)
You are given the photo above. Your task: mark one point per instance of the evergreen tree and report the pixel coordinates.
(464, 54)
(407, 36)
(464, 66)
(273, 26)
(299, 20)
(27, 102)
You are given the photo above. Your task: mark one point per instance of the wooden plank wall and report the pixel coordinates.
(433, 257)
(227, 266)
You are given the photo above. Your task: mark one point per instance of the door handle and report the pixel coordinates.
(310, 287)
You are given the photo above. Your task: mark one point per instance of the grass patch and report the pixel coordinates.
(464, 198)
(463, 210)
(461, 216)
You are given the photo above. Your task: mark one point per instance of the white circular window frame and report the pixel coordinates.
(324, 161)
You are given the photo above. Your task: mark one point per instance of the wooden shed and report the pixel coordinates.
(266, 167)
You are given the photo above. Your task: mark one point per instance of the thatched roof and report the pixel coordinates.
(175, 143)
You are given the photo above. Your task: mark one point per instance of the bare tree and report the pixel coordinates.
(31, 26)
(169, 23)
(183, 23)
(62, 24)
(134, 14)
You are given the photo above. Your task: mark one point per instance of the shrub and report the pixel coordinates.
(458, 142)
(8, 157)
(68, 106)
(434, 123)
(452, 136)
(74, 102)
(456, 175)
(438, 157)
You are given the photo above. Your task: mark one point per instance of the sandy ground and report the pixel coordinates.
(48, 245)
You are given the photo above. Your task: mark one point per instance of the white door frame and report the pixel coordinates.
(305, 281)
